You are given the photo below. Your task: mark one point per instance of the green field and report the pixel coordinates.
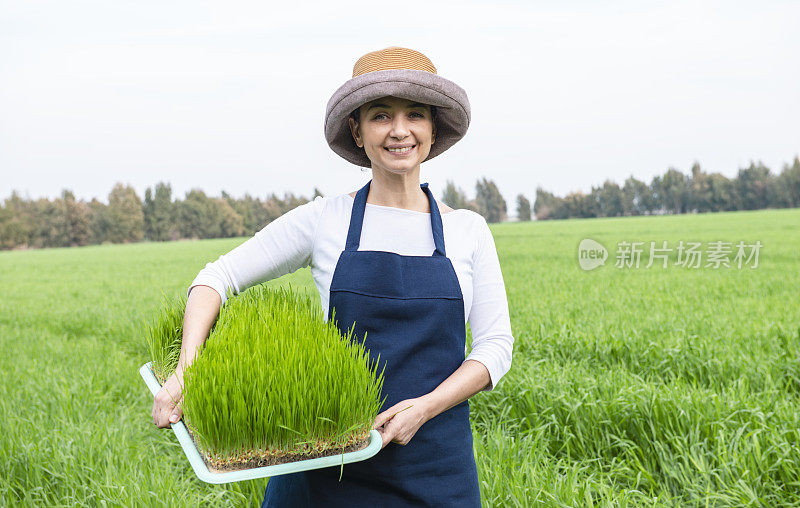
(629, 387)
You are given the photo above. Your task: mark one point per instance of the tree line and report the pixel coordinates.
(66, 221)
(753, 188)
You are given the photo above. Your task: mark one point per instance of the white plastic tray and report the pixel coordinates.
(202, 471)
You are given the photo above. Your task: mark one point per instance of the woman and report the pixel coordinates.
(370, 254)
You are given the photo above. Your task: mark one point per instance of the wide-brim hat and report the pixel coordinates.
(403, 73)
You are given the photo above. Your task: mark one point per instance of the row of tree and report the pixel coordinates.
(66, 221)
(753, 188)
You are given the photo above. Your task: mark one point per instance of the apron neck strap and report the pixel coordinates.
(357, 220)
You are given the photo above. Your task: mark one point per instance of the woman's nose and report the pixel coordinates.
(399, 127)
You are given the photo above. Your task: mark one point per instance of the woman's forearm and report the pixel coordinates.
(470, 378)
(202, 308)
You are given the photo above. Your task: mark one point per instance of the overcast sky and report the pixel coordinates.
(231, 95)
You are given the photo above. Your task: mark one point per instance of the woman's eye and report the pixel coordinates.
(380, 116)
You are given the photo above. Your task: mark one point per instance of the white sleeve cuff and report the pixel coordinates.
(206, 279)
(495, 354)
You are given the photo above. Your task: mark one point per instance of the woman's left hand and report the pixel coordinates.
(400, 422)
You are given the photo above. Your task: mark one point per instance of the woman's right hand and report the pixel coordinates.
(167, 404)
(202, 308)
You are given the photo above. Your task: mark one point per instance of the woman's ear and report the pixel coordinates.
(354, 132)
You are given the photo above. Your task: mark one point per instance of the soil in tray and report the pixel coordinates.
(260, 460)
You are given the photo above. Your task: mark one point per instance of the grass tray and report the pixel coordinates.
(211, 475)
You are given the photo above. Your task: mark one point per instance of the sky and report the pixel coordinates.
(231, 95)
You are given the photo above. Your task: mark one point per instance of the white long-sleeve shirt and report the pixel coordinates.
(314, 234)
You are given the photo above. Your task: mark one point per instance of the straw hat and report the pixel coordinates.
(403, 73)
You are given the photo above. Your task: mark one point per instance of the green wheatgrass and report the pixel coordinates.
(629, 387)
(273, 381)
(163, 334)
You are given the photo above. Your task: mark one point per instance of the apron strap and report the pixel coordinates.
(357, 220)
(436, 223)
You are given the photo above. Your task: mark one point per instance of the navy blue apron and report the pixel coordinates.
(412, 311)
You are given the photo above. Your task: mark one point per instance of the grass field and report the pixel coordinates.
(629, 387)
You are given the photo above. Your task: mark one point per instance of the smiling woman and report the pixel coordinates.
(401, 276)
(394, 114)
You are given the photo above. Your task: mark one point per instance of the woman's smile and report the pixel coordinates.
(400, 151)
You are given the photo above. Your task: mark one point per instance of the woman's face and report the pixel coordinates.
(396, 134)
